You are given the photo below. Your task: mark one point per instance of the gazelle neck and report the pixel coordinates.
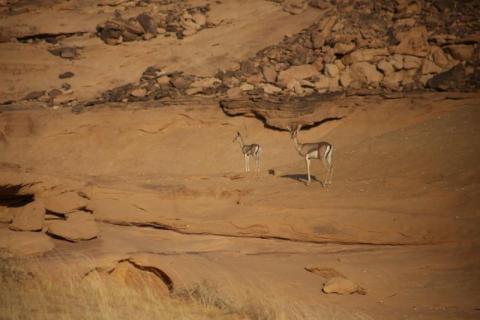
(240, 140)
(298, 145)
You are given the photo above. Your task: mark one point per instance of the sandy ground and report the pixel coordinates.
(400, 219)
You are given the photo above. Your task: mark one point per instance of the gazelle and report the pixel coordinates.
(315, 150)
(249, 150)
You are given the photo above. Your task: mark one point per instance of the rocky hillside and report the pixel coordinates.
(354, 47)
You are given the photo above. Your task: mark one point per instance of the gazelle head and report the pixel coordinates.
(294, 132)
(237, 137)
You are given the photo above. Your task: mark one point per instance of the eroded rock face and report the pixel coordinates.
(65, 202)
(29, 217)
(24, 244)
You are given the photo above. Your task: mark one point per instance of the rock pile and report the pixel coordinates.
(365, 45)
(155, 84)
(64, 216)
(179, 21)
(63, 96)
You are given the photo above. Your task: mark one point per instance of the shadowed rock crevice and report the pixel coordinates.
(10, 196)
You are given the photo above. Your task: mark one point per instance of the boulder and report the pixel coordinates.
(365, 72)
(386, 67)
(331, 70)
(340, 285)
(430, 67)
(296, 73)
(29, 217)
(138, 92)
(270, 89)
(147, 23)
(269, 73)
(64, 203)
(413, 42)
(450, 79)
(346, 78)
(412, 62)
(397, 61)
(77, 227)
(393, 80)
(439, 57)
(368, 55)
(462, 52)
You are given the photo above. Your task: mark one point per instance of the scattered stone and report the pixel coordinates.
(386, 67)
(362, 55)
(66, 75)
(54, 93)
(64, 203)
(34, 95)
(411, 62)
(340, 285)
(246, 87)
(430, 67)
(65, 52)
(147, 23)
(343, 48)
(269, 73)
(397, 61)
(29, 217)
(331, 70)
(270, 89)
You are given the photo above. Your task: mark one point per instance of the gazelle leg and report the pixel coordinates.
(308, 171)
(331, 175)
(246, 163)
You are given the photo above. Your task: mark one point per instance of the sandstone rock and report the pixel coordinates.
(413, 42)
(295, 87)
(63, 98)
(269, 73)
(361, 55)
(451, 79)
(344, 48)
(64, 203)
(365, 72)
(346, 78)
(461, 52)
(246, 87)
(138, 92)
(147, 23)
(318, 38)
(29, 217)
(393, 80)
(24, 244)
(270, 89)
(294, 6)
(331, 70)
(386, 67)
(296, 72)
(234, 93)
(429, 67)
(206, 83)
(439, 57)
(340, 285)
(411, 62)
(339, 65)
(255, 79)
(199, 18)
(65, 52)
(322, 84)
(397, 61)
(74, 229)
(163, 81)
(318, 63)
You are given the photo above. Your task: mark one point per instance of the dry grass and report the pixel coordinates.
(27, 291)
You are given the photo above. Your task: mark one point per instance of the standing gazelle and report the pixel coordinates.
(249, 150)
(315, 150)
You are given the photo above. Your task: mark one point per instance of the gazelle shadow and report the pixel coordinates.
(300, 177)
